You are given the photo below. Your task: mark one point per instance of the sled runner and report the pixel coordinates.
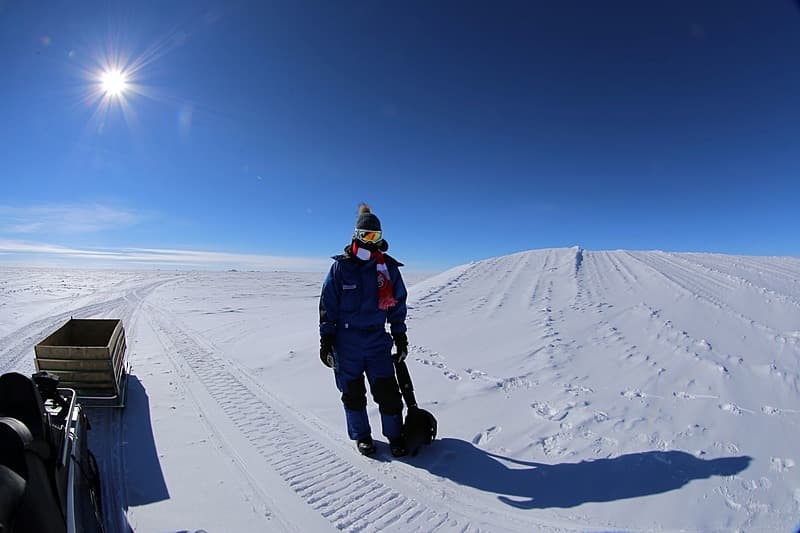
(419, 426)
(49, 481)
(88, 355)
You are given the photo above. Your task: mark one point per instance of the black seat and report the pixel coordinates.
(12, 490)
(26, 450)
(14, 440)
(20, 399)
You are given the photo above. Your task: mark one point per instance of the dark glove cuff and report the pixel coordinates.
(401, 342)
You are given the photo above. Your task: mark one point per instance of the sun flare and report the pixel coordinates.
(113, 82)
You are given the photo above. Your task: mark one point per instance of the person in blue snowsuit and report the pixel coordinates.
(361, 293)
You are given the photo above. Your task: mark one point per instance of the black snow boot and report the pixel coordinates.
(366, 446)
(398, 447)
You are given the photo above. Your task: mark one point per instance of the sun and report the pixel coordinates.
(113, 82)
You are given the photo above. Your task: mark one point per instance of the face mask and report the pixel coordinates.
(363, 253)
(371, 246)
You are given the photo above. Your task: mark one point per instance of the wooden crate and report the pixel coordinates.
(88, 355)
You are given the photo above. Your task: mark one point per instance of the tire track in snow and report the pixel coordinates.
(590, 288)
(349, 498)
(648, 321)
(698, 264)
(106, 436)
(703, 278)
(507, 280)
(108, 424)
(535, 291)
(629, 277)
(18, 344)
(683, 280)
(105, 441)
(449, 284)
(596, 290)
(658, 329)
(785, 269)
(490, 273)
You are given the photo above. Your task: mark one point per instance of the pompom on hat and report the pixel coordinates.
(366, 219)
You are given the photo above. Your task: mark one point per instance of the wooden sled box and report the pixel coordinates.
(88, 355)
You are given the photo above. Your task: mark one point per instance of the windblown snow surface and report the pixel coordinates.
(575, 391)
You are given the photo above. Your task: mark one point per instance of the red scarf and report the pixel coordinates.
(386, 297)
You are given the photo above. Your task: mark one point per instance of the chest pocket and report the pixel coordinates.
(349, 296)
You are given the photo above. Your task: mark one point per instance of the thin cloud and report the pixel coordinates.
(32, 227)
(64, 219)
(21, 253)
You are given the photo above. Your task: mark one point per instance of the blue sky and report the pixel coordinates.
(248, 133)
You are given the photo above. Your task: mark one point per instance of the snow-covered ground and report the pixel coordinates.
(575, 390)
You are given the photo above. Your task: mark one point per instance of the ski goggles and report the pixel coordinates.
(366, 235)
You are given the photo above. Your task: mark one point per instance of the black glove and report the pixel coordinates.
(401, 343)
(326, 343)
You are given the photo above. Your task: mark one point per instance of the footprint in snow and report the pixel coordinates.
(475, 374)
(577, 390)
(774, 411)
(452, 375)
(633, 394)
(734, 409)
(486, 435)
(600, 416)
(547, 411)
(780, 465)
(703, 345)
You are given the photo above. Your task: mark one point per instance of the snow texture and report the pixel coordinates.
(575, 390)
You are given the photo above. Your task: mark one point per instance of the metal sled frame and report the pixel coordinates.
(88, 356)
(70, 454)
(70, 417)
(45, 444)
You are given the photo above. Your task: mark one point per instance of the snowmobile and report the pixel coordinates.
(49, 481)
(420, 426)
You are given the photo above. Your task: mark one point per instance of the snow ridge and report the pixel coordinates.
(622, 352)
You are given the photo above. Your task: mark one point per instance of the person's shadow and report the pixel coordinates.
(539, 485)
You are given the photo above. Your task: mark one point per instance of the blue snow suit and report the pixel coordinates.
(348, 308)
